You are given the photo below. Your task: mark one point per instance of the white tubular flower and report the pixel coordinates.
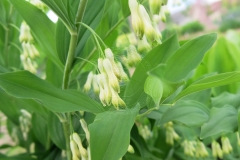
(77, 140)
(130, 149)
(74, 149)
(101, 93)
(162, 14)
(124, 76)
(159, 34)
(109, 55)
(95, 85)
(149, 30)
(116, 100)
(87, 85)
(133, 57)
(137, 23)
(100, 65)
(26, 114)
(30, 51)
(188, 147)
(112, 79)
(25, 35)
(143, 45)
(106, 89)
(216, 150)
(85, 128)
(25, 49)
(155, 6)
(31, 68)
(201, 150)
(227, 148)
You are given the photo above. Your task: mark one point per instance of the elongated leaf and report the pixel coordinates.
(190, 113)
(40, 130)
(160, 54)
(56, 131)
(23, 84)
(111, 140)
(209, 82)
(154, 87)
(222, 120)
(226, 98)
(188, 57)
(41, 26)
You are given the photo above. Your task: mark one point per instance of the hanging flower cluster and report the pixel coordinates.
(106, 83)
(194, 149)
(77, 149)
(29, 50)
(25, 122)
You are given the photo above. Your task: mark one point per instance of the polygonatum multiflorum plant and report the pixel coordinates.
(105, 83)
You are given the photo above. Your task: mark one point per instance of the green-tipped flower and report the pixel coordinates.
(216, 150)
(149, 30)
(124, 76)
(162, 14)
(155, 6)
(116, 100)
(171, 135)
(133, 57)
(137, 23)
(143, 45)
(100, 65)
(189, 147)
(74, 149)
(87, 85)
(130, 149)
(78, 141)
(85, 128)
(227, 148)
(201, 150)
(101, 93)
(112, 79)
(25, 35)
(106, 89)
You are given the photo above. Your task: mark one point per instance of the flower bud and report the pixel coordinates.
(216, 150)
(87, 85)
(112, 79)
(162, 15)
(101, 93)
(34, 50)
(143, 45)
(85, 128)
(155, 6)
(106, 89)
(25, 35)
(30, 51)
(130, 149)
(171, 135)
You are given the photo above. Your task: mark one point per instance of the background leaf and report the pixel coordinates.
(222, 120)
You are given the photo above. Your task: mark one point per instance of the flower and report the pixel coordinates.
(155, 6)
(87, 85)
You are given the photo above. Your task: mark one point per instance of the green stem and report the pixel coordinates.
(66, 128)
(81, 9)
(67, 71)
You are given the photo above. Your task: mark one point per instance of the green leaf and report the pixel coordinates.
(154, 87)
(188, 57)
(111, 142)
(23, 84)
(238, 121)
(62, 41)
(40, 130)
(61, 10)
(42, 28)
(135, 89)
(209, 82)
(56, 131)
(190, 113)
(226, 98)
(222, 120)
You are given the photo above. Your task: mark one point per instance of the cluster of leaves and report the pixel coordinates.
(171, 73)
(192, 27)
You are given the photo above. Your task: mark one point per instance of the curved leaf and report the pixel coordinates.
(23, 84)
(112, 140)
